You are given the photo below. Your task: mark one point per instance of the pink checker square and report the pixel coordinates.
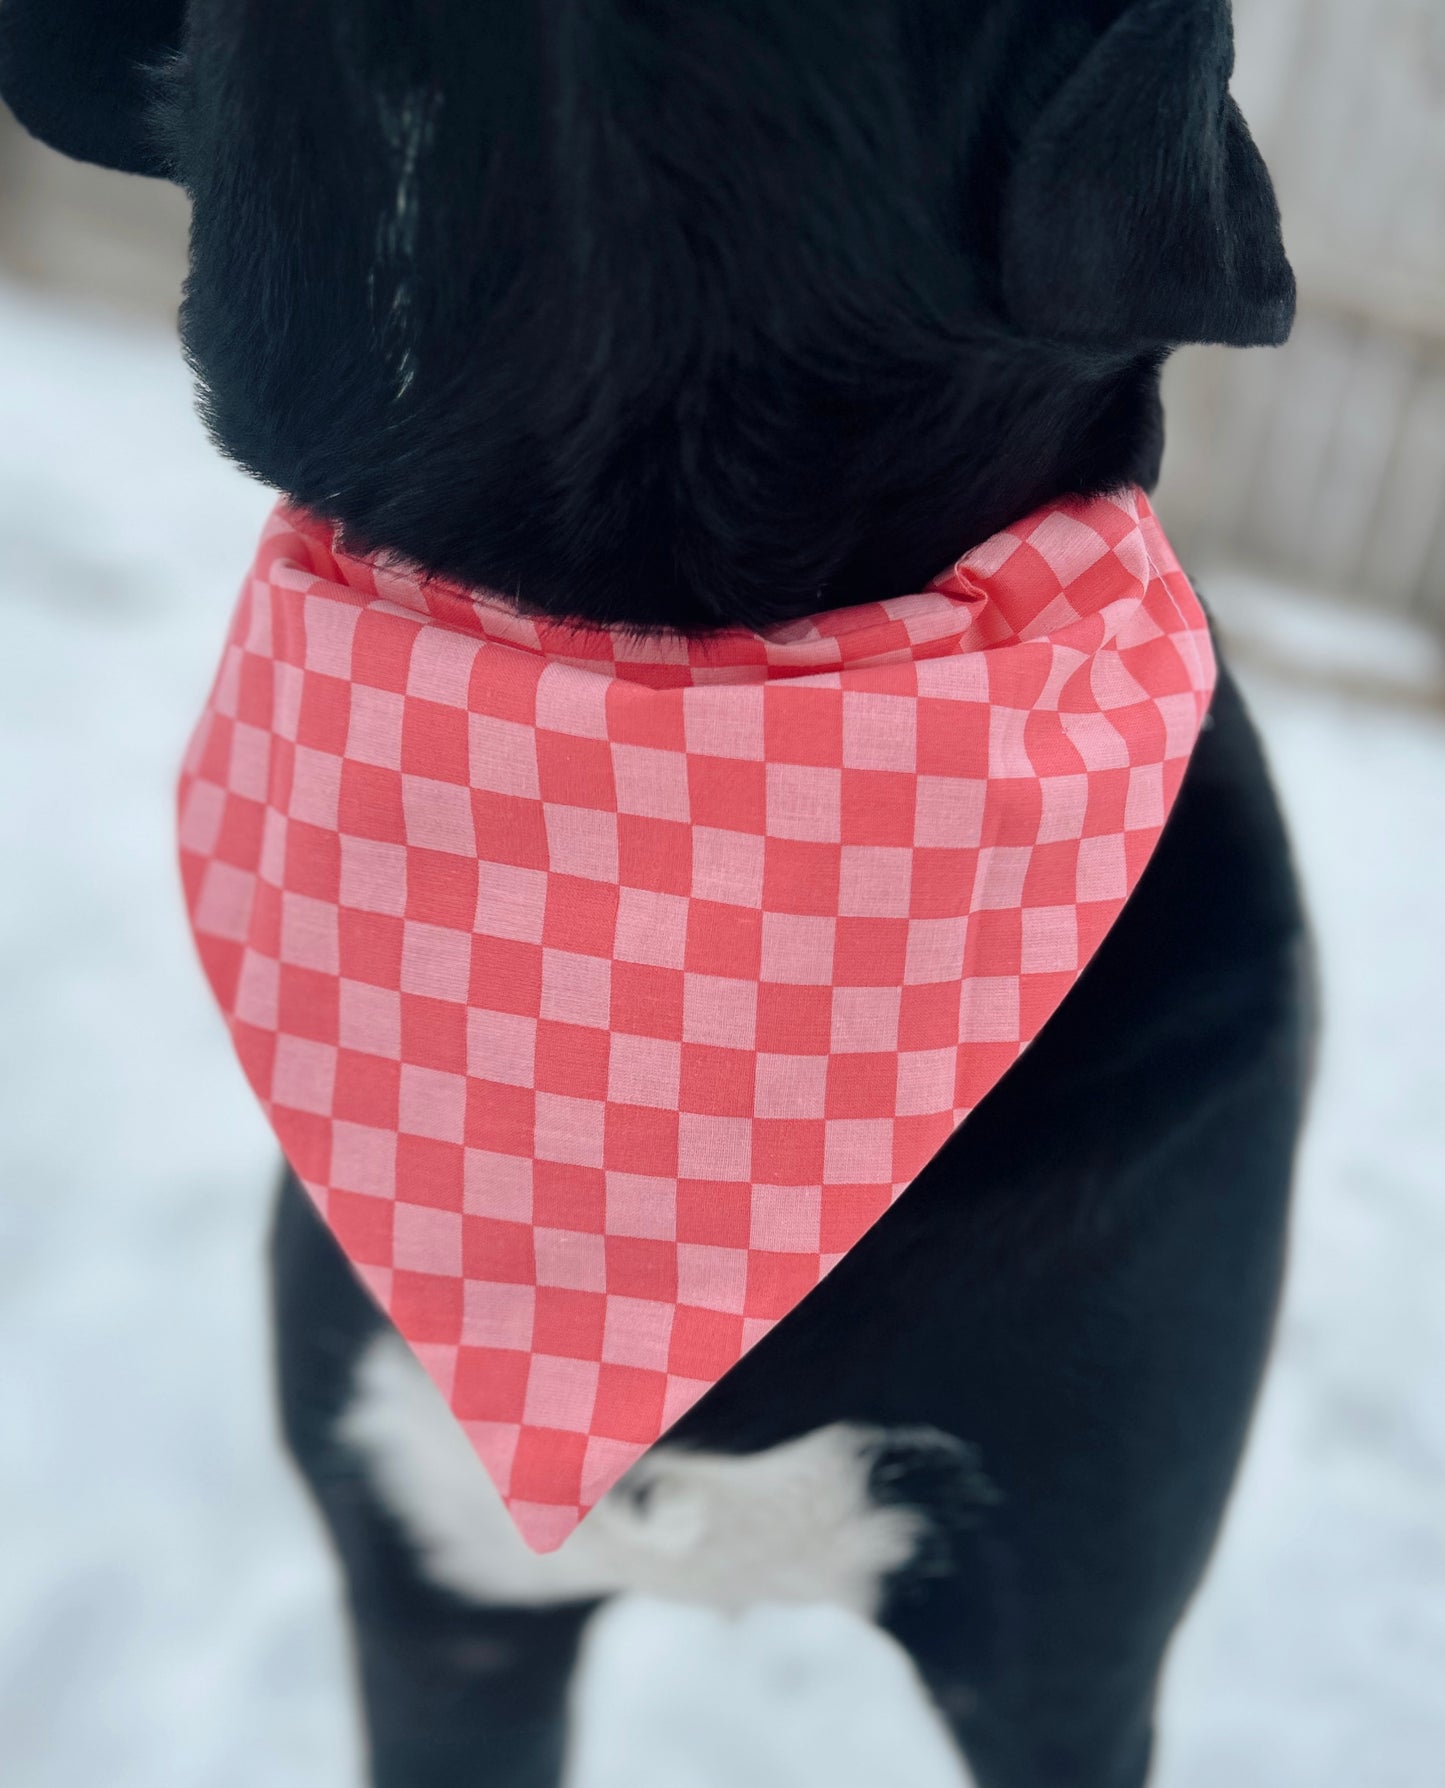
(865, 1019)
(576, 989)
(926, 1079)
(1180, 714)
(308, 934)
(791, 1086)
(497, 1315)
(570, 1259)
(438, 816)
(373, 732)
(497, 1186)
(1065, 804)
(303, 1075)
(712, 1278)
(248, 773)
(315, 787)
(373, 876)
(1103, 868)
(880, 732)
(363, 1159)
(1144, 806)
(572, 700)
(988, 1010)
(999, 878)
(570, 1129)
(581, 841)
(202, 809)
(644, 1071)
(875, 881)
(432, 1104)
(1067, 546)
(425, 1240)
(1098, 742)
(560, 1393)
(637, 1332)
(653, 783)
(725, 721)
(1008, 751)
(805, 801)
(511, 902)
(223, 908)
(435, 961)
(501, 1046)
(948, 812)
(787, 1219)
(642, 1207)
(651, 928)
(719, 1010)
(727, 866)
(1050, 940)
(714, 1148)
(440, 667)
(798, 949)
(935, 950)
(329, 627)
(858, 1151)
(258, 990)
(502, 756)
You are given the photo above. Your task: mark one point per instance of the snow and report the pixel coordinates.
(169, 1617)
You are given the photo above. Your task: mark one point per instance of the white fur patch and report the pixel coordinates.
(793, 1524)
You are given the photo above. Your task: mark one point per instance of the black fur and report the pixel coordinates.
(681, 314)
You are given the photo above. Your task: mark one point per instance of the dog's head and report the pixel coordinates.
(681, 314)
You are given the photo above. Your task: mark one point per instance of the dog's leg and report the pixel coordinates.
(456, 1693)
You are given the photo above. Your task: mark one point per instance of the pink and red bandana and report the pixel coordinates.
(604, 991)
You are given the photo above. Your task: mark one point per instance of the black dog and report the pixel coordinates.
(693, 314)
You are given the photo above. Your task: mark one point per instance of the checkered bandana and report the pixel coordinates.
(603, 991)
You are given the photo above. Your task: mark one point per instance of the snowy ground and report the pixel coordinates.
(168, 1618)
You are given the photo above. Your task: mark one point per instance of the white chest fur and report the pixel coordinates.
(796, 1523)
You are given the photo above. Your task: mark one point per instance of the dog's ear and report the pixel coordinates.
(1139, 211)
(80, 75)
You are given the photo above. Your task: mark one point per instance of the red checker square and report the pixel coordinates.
(928, 1016)
(441, 888)
(501, 1119)
(788, 1151)
(980, 1068)
(802, 726)
(506, 975)
(567, 1197)
(547, 1466)
(581, 915)
(434, 741)
(1012, 811)
(369, 804)
(638, 1268)
(362, 1225)
(646, 1001)
(794, 1020)
(264, 931)
(575, 771)
(368, 1090)
(716, 1082)
(996, 937)
(654, 853)
(848, 1213)
(639, 716)
(313, 861)
(430, 1172)
(800, 876)
(717, 1213)
(490, 1384)
(512, 826)
(777, 1282)
(878, 807)
(569, 1324)
(723, 939)
(727, 793)
(239, 839)
(434, 1033)
(325, 714)
(1138, 848)
(498, 1251)
(427, 1307)
(1108, 801)
(1052, 874)
(572, 1059)
(1039, 998)
(306, 1142)
(505, 684)
(942, 880)
(704, 1342)
(381, 649)
(916, 1140)
(862, 1086)
(307, 1003)
(952, 736)
(629, 1404)
(638, 1139)
(1095, 920)
(870, 952)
